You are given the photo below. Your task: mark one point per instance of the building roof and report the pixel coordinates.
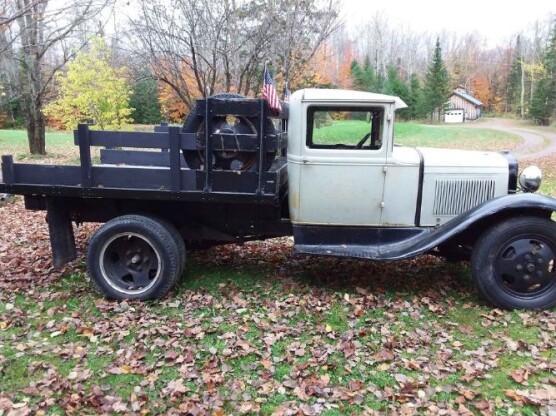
(468, 97)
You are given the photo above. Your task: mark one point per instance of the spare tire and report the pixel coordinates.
(236, 160)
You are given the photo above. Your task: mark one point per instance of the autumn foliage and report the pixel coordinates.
(92, 91)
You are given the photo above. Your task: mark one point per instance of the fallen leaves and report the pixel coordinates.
(536, 397)
(298, 336)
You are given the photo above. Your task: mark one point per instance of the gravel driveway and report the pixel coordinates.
(537, 141)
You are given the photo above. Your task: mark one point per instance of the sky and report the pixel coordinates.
(494, 19)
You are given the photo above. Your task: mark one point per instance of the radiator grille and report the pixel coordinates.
(455, 196)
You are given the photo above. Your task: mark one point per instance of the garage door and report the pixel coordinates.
(453, 116)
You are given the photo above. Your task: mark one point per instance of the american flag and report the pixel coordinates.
(287, 93)
(270, 94)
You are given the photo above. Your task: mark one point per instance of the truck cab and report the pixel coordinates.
(345, 169)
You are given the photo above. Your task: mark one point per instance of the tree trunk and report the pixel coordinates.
(522, 96)
(32, 109)
(35, 126)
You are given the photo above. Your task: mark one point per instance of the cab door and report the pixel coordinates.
(340, 167)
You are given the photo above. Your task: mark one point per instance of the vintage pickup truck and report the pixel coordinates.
(234, 172)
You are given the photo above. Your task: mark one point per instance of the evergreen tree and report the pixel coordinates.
(550, 63)
(415, 100)
(539, 107)
(363, 77)
(437, 84)
(145, 101)
(395, 86)
(543, 103)
(513, 97)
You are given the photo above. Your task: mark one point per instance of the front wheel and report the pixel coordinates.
(133, 257)
(513, 263)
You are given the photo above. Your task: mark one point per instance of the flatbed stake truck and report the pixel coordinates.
(234, 172)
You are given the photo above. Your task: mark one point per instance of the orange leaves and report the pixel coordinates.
(173, 107)
(481, 87)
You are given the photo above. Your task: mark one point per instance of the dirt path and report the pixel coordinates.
(537, 141)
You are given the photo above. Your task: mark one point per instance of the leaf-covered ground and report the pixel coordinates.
(256, 330)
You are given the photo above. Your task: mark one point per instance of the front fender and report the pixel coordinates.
(515, 203)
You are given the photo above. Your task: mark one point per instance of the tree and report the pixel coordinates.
(415, 102)
(540, 106)
(480, 87)
(92, 90)
(299, 28)
(516, 90)
(37, 45)
(145, 100)
(364, 77)
(199, 47)
(550, 74)
(395, 86)
(543, 103)
(437, 84)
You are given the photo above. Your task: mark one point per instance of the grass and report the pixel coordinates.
(422, 135)
(59, 146)
(453, 137)
(135, 341)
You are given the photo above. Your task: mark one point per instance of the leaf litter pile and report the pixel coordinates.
(257, 330)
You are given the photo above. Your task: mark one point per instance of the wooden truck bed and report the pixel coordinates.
(135, 174)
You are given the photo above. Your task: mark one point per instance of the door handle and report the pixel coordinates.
(304, 159)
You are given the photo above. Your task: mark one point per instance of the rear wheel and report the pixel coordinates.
(514, 264)
(133, 257)
(176, 236)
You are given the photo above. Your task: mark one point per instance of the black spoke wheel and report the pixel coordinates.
(514, 264)
(133, 257)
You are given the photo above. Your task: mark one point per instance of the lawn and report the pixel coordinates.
(413, 134)
(453, 137)
(257, 330)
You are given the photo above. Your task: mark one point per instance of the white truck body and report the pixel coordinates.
(380, 187)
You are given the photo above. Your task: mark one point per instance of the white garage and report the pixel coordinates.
(454, 116)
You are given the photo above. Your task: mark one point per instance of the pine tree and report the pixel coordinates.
(363, 77)
(395, 86)
(145, 101)
(543, 103)
(416, 100)
(437, 84)
(515, 89)
(539, 107)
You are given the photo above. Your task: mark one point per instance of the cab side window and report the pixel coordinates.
(345, 127)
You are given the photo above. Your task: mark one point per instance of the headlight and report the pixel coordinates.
(530, 179)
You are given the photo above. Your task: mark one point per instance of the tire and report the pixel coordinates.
(248, 160)
(192, 122)
(176, 236)
(514, 264)
(133, 257)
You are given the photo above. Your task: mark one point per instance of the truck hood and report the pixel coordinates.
(462, 159)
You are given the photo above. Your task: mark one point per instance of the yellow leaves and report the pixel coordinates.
(92, 91)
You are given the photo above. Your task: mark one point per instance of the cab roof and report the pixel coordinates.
(346, 96)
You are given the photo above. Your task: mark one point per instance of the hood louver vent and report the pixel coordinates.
(456, 196)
